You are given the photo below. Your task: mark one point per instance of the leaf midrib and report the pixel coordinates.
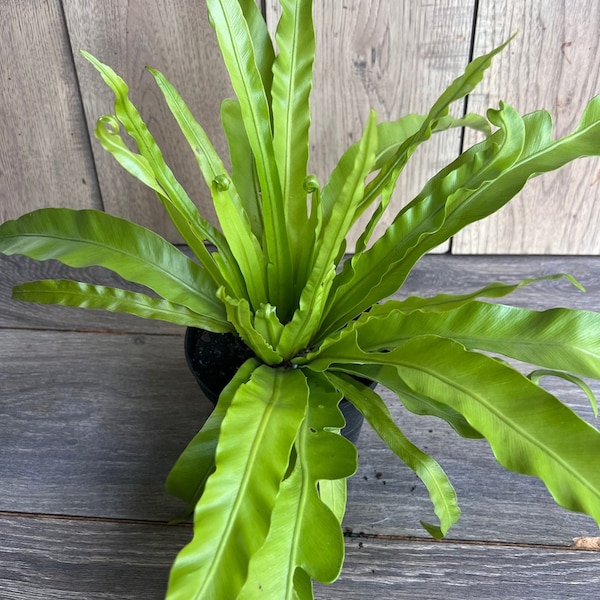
(134, 299)
(241, 495)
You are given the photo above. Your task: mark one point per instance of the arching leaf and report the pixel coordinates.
(292, 82)
(558, 338)
(189, 474)
(183, 213)
(375, 411)
(529, 430)
(478, 183)
(85, 295)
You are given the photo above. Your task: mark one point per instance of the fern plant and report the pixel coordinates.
(265, 478)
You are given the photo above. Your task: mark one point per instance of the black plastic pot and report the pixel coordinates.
(214, 358)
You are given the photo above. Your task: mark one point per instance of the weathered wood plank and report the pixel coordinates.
(92, 423)
(97, 411)
(460, 274)
(442, 571)
(53, 559)
(178, 41)
(86, 434)
(554, 63)
(93, 427)
(367, 54)
(394, 57)
(45, 158)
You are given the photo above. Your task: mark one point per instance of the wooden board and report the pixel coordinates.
(59, 559)
(461, 274)
(68, 559)
(126, 422)
(443, 571)
(125, 431)
(91, 434)
(177, 40)
(431, 275)
(554, 63)
(394, 57)
(45, 158)
(93, 420)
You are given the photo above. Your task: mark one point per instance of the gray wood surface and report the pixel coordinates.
(60, 559)
(393, 56)
(553, 63)
(45, 157)
(432, 275)
(175, 38)
(92, 417)
(367, 58)
(17, 269)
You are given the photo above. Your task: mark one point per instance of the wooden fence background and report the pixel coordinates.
(393, 55)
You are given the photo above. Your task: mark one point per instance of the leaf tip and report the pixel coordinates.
(434, 531)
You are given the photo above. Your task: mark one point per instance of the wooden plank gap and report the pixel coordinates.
(84, 116)
(553, 64)
(263, 7)
(90, 519)
(466, 99)
(117, 332)
(350, 535)
(471, 57)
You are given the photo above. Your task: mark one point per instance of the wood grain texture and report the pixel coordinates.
(554, 63)
(175, 38)
(385, 497)
(460, 274)
(442, 571)
(60, 559)
(45, 158)
(127, 406)
(394, 57)
(91, 423)
(96, 421)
